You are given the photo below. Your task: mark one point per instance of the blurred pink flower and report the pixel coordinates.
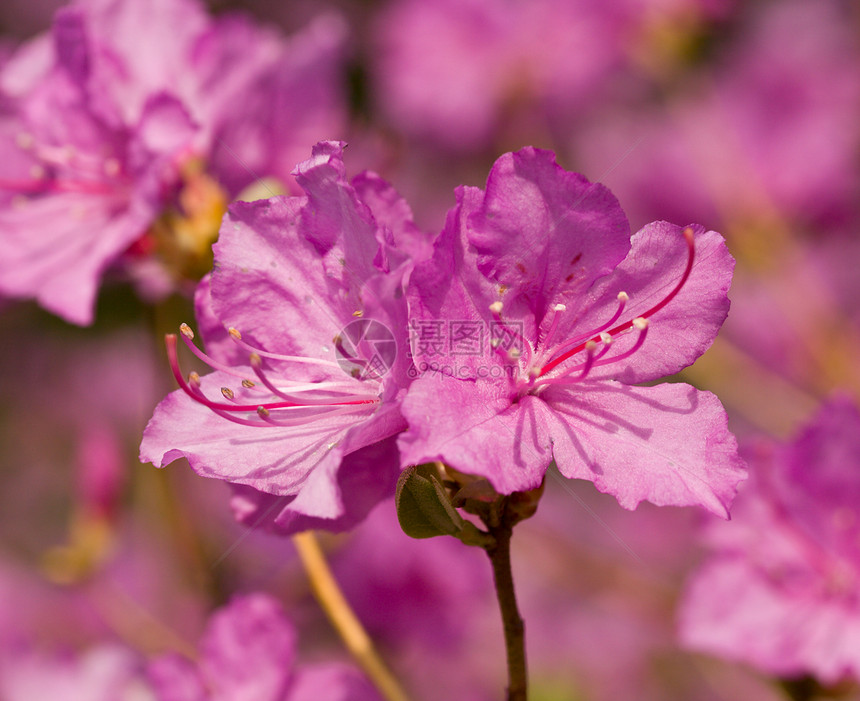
(248, 651)
(781, 589)
(464, 73)
(766, 129)
(127, 113)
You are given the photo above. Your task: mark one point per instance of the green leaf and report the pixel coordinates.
(423, 507)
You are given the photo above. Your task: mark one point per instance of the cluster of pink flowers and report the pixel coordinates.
(444, 324)
(567, 310)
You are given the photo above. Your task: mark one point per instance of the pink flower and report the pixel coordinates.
(781, 588)
(305, 321)
(248, 651)
(534, 322)
(128, 128)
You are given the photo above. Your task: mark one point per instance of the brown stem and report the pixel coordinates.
(512, 622)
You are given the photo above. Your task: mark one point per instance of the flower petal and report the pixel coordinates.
(667, 444)
(248, 650)
(544, 233)
(337, 502)
(682, 330)
(474, 428)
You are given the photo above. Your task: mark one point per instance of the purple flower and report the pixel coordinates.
(307, 316)
(111, 156)
(781, 589)
(248, 652)
(534, 320)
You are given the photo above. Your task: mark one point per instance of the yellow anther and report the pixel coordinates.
(186, 331)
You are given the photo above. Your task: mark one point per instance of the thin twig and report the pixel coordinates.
(342, 617)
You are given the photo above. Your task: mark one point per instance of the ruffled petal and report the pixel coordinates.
(679, 332)
(667, 444)
(544, 233)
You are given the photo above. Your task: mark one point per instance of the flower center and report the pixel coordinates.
(183, 235)
(540, 370)
(262, 399)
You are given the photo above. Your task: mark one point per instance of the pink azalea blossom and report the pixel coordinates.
(248, 651)
(307, 317)
(104, 140)
(781, 589)
(570, 313)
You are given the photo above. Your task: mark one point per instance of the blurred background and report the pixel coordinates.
(741, 115)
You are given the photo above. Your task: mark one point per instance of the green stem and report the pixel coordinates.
(512, 622)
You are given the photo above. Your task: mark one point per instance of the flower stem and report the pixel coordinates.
(512, 622)
(342, 617)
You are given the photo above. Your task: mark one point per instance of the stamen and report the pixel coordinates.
(282, 421)
(188, 336)
(584, 368)
(691, 250)
(237, 337)
(495, 343)
(192, 389)
(623, 298)
(553, 327)
(589, 360)
(257, 366)
(639, 323)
